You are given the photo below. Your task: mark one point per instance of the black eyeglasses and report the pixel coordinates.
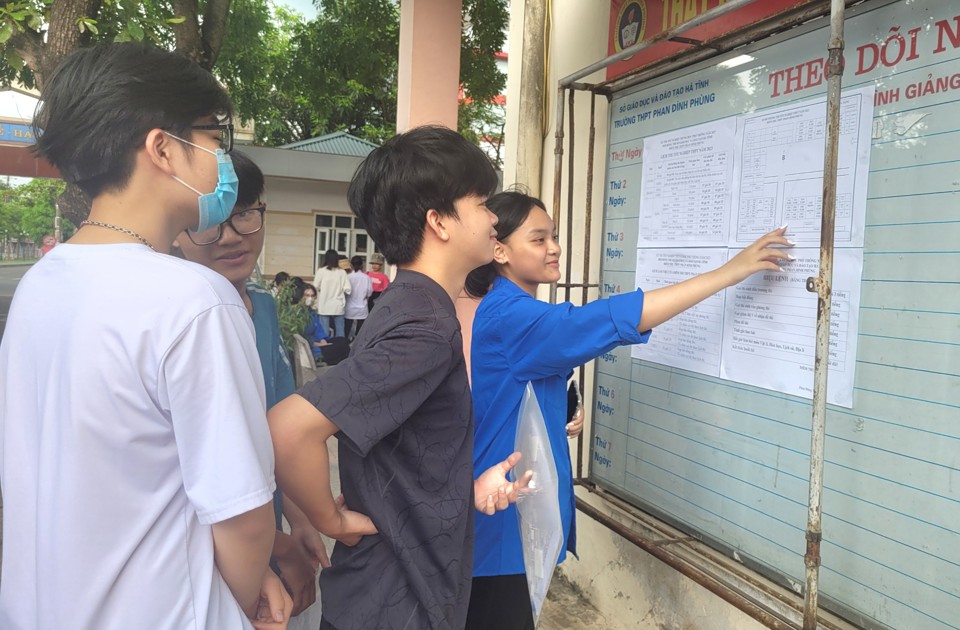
(226, 133)
(244, 223)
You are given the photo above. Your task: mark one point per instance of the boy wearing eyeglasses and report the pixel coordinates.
(232, 249)
(135, 460)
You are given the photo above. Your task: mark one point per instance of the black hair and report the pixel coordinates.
(512, 208)
(251, 179)
(331, 259)
(300, 289)
(357, 262)
(99, 104)
(425, 168)
(280, 278)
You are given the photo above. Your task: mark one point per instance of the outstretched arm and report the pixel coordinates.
(661, 304)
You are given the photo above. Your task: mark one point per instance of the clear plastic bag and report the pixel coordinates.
(538, 506)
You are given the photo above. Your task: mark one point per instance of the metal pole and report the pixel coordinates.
(58, 223)
(823, 287)
(715, 12)
(588, 228)
(557, 172)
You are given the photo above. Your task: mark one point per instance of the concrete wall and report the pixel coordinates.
(298, 184)
(631, 588)
(291, 205)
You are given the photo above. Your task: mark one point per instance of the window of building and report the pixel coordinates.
(343, 233)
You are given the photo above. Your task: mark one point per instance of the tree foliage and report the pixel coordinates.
(338, 72)
(37, 34)
(334, 73)
(293, 78)
(292, 316)
(30, 210)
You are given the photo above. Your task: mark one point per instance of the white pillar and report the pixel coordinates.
(428, 73)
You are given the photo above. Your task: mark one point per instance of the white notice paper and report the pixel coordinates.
(769, 334)
(779, 173)
(685, 187)
(692, 339)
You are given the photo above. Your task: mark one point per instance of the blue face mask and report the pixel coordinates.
(216, 206)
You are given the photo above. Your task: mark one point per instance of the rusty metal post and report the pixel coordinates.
(571, 156)
(587, 231)
(823, 287)
(557, 171)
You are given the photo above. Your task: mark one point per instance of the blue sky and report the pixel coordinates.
(305, 7)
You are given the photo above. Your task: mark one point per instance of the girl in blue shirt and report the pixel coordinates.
(519, 339)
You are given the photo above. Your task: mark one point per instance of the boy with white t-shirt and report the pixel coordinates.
(135, 461)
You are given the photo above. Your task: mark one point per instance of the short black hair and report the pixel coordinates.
(425, 168)
(280, 278)
(99, 104)
(357, 262)
(512, 208)
(250, 187)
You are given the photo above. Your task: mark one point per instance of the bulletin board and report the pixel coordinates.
(719, 446)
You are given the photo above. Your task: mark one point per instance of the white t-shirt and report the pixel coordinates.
(332, 287)
(361, 288)
(131, 419)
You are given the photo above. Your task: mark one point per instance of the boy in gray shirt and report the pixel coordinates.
(400, 405)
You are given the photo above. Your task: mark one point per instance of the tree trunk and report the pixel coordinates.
(63, 33)
(201, 43)
(213, 31)
(187, 33)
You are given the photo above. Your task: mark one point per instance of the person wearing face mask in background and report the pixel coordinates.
(122, 508)
(326, 350)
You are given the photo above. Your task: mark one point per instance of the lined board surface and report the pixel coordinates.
(730, 461)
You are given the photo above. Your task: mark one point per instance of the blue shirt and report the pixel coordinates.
(274, 360)
(277, 372)
(516, 339)
(314, 332)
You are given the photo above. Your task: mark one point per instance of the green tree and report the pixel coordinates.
(345, 61)
(483, 122)
(37, 34)
(9, 215)
(295, 79)
(330, 74)
(33, 206)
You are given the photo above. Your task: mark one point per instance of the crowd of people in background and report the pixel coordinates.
(329, 311)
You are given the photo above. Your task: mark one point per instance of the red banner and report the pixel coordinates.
(633, 21)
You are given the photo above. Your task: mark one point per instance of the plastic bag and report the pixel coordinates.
(538, 506)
